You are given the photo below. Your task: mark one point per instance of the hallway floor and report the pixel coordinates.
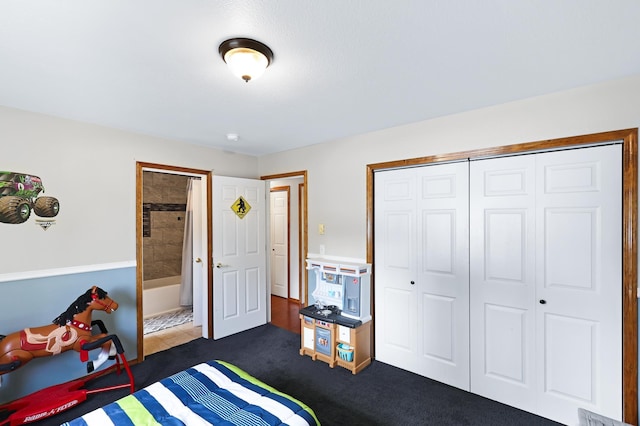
(170, 337)
(284, 314)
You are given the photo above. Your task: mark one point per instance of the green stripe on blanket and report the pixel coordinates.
(134, 409)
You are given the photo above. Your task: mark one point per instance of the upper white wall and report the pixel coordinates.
(92, 171)
(337, 170)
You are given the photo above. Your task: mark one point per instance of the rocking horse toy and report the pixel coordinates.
(72, 329)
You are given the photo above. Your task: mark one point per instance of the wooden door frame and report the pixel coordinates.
(287, 190)
(302, 233)
(141, 167)
(629, 138)
(302, 236)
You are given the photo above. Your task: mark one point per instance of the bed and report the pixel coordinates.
(214, 392)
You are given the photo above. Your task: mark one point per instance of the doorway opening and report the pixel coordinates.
(170, 284)
(288, 247)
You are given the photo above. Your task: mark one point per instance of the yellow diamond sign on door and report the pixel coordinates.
(240, 207)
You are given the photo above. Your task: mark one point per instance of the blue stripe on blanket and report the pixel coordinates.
(155, 409)
(292, 405)
(203, 397)
(117, 415)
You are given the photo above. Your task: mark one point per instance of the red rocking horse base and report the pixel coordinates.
(58, 398)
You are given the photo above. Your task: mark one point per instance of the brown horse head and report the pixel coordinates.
(101, 302)
(94, 298)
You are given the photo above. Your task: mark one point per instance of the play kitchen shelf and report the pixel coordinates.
(347, 286)
(352, 346)
(335, 339)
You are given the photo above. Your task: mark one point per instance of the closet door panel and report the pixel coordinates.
(443, 273)
(502, 281)
(439, 242)
(569, 247)
(545, 281)
(505, 339)
(505, 249)
(438, 335)
(438, 311)
(569, 356)
(579, 277)
(398, 327)
(396, 299)
(421, 261)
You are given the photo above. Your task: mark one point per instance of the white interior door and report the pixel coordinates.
(422, 279)
(395, 265)
(546, 317)
(199, 250)
(502, 287)
(279, 216)
(443, 274)
(579, 277)
(239, 279)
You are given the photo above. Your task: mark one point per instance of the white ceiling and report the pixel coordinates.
(341, 67)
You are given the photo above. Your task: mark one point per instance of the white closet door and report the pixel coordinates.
(502, 281)
(395, 260)
(546, 317)
(579, 277)
(422, 276)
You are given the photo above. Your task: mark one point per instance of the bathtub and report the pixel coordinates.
(160, 296)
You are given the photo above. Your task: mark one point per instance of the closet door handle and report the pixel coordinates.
(542, 301)
(413, 282)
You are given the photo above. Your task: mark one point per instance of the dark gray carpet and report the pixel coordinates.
(378, 395)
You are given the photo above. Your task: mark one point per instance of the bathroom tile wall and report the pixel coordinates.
(164, 198)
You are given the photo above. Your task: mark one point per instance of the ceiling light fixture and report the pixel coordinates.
(245, 57)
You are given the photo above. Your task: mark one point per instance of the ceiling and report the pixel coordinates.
(341, 67)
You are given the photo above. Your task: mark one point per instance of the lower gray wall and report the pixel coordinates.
(34, 302)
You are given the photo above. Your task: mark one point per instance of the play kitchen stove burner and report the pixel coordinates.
(328, 314)
(325, 311)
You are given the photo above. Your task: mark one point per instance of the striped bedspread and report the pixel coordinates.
(215, 393)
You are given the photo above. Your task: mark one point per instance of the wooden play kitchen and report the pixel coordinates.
(336, 326)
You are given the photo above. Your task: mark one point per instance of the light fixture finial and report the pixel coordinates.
(247, 58)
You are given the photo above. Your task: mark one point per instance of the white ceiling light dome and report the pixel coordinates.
(247, 58)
